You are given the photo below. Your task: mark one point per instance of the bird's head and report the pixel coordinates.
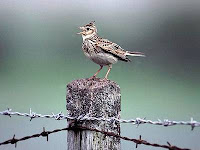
(88, 30)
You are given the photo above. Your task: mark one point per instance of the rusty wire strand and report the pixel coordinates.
(139, 141)
(137, 121)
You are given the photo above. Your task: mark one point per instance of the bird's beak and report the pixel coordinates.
(80, 33)
(82, 28)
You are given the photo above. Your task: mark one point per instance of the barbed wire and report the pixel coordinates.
(137, 121)
(139, 141)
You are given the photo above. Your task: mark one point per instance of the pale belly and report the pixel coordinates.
(102, 59)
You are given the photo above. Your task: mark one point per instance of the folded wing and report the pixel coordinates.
(113, 49)
(116, 50)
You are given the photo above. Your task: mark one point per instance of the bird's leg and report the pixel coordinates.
(109, 68)
(94, 76)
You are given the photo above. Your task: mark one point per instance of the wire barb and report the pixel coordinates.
(45, 134)
(14, 141)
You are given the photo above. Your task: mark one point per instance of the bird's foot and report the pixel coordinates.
(92, 77)
(104, 79)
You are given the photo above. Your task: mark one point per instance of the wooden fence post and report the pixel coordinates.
(94, 98)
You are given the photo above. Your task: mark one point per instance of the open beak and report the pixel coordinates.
(82, 28)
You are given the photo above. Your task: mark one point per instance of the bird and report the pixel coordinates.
(102, 51)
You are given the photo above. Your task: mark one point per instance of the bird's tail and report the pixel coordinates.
(140, 54)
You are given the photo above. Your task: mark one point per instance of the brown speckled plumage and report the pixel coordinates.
(102, 51)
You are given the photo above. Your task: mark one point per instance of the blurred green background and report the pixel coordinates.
(40, 53)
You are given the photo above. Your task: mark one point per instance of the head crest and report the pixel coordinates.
(92, 23)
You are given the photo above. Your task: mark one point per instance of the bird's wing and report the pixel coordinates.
(112, 48)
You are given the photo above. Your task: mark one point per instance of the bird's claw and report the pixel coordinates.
(92, 77)
(104, 79)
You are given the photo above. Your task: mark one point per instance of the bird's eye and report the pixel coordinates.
(87, 29)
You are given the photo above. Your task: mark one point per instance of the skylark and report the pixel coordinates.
(102, 51)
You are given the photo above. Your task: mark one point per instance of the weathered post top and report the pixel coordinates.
(94, 98)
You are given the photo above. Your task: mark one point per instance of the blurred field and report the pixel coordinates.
(40, 53)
